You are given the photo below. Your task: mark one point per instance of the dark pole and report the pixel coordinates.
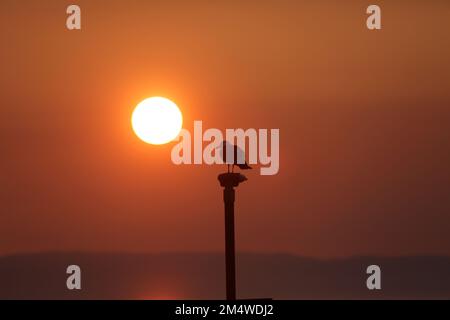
(230, 260)
(229, 181)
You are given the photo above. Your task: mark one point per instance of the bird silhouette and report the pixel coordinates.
(238, 154)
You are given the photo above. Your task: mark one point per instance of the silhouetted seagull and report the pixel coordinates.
(238, 154)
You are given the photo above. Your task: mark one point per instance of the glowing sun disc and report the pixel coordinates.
(157, 120)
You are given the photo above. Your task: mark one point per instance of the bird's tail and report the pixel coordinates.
(244, 166)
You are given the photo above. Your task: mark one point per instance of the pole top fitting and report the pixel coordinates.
(231, 179)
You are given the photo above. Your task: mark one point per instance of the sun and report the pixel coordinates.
(157, 120)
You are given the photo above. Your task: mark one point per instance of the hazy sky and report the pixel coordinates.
(363, 117)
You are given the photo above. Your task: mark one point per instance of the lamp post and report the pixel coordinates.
(229, 181)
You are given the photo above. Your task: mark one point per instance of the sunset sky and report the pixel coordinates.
(364, 119)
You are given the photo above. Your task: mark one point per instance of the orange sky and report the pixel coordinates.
(363, 120)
